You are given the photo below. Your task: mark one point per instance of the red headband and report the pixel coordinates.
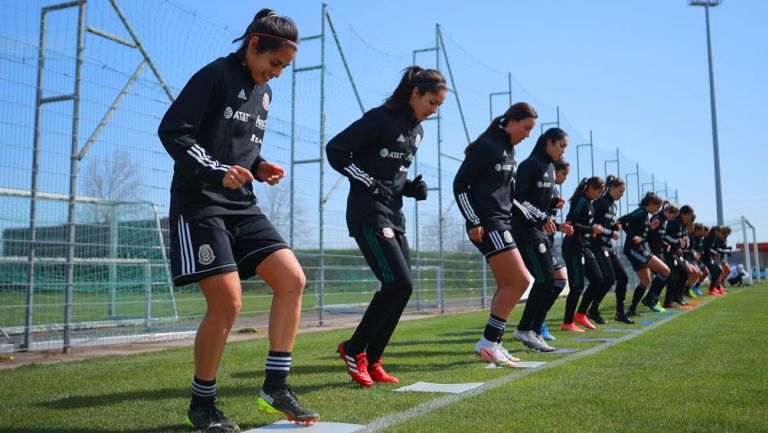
(292, 43)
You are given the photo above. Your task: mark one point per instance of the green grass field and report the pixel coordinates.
(703, 371)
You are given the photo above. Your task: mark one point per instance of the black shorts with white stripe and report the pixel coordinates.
(495, 242)
(638, 255)
(213, 245)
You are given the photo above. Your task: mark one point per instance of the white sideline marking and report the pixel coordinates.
(319, 427)
(386, 421)
(451, 388)
(522, 364)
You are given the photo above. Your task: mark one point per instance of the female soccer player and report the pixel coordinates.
(484, 190)
(602, 246)
(579, 256)
(214, 132)
(562, 168)
(636, 225)
(375, 153)
(532, 225)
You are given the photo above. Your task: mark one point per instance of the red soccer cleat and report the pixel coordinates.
(582, 320)
(571, 327)
(357, 366)
(378, 374)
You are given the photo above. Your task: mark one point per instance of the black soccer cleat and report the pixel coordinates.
(285, 401)
(623, 318)
(596, 317)
(210, 419)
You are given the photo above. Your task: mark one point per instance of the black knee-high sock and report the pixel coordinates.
(494, 328)
(657, 285)
(277, 367)
(637, 296)
(537, 299)
(552, 296)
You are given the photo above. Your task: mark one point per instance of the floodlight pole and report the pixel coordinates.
(715, 142)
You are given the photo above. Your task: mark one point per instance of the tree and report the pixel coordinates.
(112, 179)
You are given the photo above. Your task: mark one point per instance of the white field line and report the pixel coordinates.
(386, 421)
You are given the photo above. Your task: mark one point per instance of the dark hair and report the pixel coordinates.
(551, 134)
(593, 182)
(274, 32)
(518, 111)
(727, 230)
(672, 208)
(426, 80)
(686, 209)
(613, 181)
(561, 164)
(650, 198)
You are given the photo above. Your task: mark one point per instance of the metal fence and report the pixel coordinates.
(84, 86)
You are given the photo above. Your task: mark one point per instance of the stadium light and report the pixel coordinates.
(718, 187)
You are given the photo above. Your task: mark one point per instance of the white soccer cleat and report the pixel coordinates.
(490, 352)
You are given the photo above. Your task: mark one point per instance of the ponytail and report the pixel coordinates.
(518, 112)
(426, 80)
(593, 182)
(650, 198)
(274, 32)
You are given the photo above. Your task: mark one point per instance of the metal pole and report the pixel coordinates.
(144, 53)
(618, 175)
(344, 60)
(439, 155)
(113, 239)
(637, 170)
(73, 167)
(321, 203)
(755, 252)
(293, 157)
(453, 82)
(509, 82)
(745, 246)
(33, 188)
(715, 141)
(166, 264)
(147, 296)
(592, 153)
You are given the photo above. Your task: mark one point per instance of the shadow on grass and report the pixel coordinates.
(102, 429)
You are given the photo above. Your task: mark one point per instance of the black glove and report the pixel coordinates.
(416, 188)
(380, 192)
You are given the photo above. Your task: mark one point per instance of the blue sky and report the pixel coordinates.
(634, 73)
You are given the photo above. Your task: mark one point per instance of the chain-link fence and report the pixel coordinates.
(84, 180)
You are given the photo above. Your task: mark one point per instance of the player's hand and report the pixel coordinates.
(637, 240)
(476, 233)
(596, 230)
(560, 203)
(567, 228)
(615, 235)
(270, 173)
(654, 224)
(236, 176)
(549, 226)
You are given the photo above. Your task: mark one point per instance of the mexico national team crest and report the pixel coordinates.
(205, 255)
(542, 248)
(388, 232)
(507, 237)
(265, 101)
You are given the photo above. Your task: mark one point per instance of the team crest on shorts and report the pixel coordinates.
(388, 232)
(542, 248)
(205, 255)
(507, 237)
(583, 260)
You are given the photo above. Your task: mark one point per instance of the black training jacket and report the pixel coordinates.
(534, 191)
(380, 146)
(634, 224)
(218, 120)
(710, 245)
(581, 215)
(675, 233)
(485, 182)
(656, 237)
(605, 215)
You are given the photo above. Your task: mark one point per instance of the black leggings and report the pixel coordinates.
(389, 259)
(714, 270)
(613, 272)
(539, 259)
(581, 262)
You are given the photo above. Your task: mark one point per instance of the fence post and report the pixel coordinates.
(147, 296)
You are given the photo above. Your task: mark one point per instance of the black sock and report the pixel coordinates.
(277, 367)
(637, 296)
(657, 285)
(494, 328)
(203, 392)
